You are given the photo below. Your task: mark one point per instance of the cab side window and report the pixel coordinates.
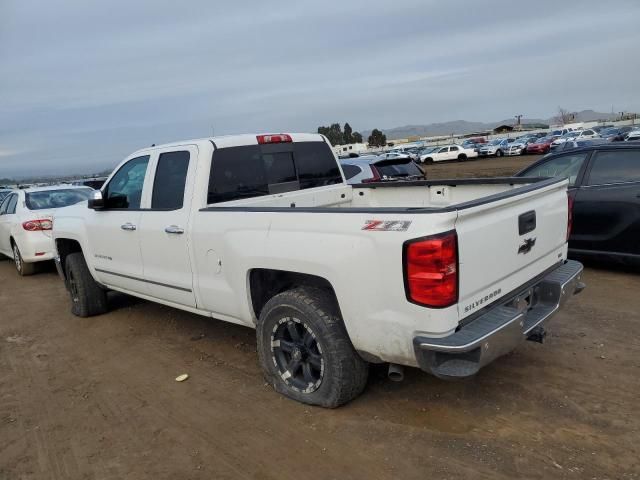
(567, 166)
(124, 191)
(615, 166)
(170, 181)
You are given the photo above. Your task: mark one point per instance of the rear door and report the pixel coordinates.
(164, 238)
(607, 205)
(505, 243)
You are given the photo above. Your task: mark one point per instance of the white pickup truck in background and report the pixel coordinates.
(263, 231)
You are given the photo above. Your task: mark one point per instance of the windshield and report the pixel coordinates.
(398, 168)
(543, 140)
(497, 141)
(48, 199)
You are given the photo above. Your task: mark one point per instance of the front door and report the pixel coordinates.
(164, 232)
(113, 233)
(607, 206)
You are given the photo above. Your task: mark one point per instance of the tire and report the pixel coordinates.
(499, 153)
(327, 371)
(462, 157)
(428, 160)
(24, 269)
(87, 297)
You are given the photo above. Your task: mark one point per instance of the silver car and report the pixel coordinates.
(379, 168)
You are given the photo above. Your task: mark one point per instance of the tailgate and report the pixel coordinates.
(503, 244)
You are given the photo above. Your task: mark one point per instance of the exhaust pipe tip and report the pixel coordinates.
(395, 373)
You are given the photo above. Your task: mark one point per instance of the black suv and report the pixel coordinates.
(604, 182)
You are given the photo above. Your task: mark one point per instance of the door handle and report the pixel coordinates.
(128, 226)
(174, 229)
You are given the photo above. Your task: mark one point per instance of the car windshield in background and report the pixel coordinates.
(47, 199)
(497, 141)
(543, 140)
(398, 168)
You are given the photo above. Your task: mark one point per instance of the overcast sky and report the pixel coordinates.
(84, 83)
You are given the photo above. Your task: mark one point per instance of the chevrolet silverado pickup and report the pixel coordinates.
(263, 231)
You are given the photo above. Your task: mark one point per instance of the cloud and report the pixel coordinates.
(82, 84)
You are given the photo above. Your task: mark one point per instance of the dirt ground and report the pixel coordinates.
(96, 398)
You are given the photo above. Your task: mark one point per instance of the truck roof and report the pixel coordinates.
(226, 141)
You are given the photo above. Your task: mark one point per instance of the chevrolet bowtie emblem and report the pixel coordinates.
(527, 245)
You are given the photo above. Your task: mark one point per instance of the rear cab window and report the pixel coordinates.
(49, 199)
(256, 170)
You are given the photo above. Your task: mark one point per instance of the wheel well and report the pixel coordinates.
(64, 247)
(266, 283)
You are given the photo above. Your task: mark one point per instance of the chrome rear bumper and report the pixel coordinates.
(502, 328)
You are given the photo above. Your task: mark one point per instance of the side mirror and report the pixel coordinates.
(97, 201)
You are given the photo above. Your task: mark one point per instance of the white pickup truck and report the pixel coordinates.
(263, 231)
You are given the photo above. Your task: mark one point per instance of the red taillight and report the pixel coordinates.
(277, 138)
(431, 270)
(376, 176)
(569, 215)
(37, 225)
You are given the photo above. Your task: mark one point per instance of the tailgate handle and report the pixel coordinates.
(527, 222)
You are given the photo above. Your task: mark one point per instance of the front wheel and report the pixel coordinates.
(305, 351)
(87, 297)
(499, 153)
(428, 160)
(24, 269)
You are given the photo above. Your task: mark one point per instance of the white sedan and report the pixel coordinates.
(26, 219)
(448, 152)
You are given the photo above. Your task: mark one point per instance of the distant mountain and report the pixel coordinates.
(460, 127)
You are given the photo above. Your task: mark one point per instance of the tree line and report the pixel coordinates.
(339, 136)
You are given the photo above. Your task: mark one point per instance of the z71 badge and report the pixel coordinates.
(387, 225)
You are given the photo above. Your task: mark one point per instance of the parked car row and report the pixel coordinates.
(529, 143)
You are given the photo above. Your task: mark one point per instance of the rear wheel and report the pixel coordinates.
(87, 297)
(462, 157)
(305, 351)
(24, 269)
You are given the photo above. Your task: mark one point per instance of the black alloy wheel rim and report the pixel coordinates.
(297, 355)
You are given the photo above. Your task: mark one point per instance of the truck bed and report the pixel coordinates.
(426, 196)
